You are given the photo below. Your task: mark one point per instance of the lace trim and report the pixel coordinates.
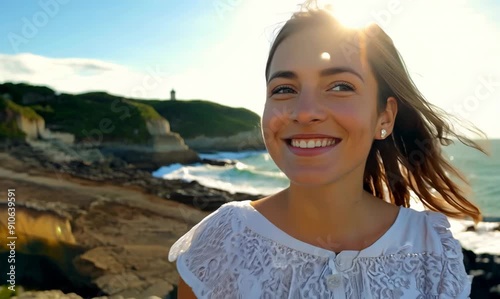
(454, 280)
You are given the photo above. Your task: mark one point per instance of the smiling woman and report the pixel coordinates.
(354, 136)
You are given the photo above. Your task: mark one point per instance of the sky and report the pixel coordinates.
(216, 49)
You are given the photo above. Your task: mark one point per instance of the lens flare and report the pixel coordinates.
(325, 56)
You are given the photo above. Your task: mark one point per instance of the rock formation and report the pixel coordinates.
(33, 128)
(249, 140)
(99, 229)
(164, 147)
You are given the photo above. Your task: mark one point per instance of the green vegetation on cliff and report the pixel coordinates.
(27, 112)
(8, 125)
(146, 111)
(99, 116)
(197, 117)
(20, 90)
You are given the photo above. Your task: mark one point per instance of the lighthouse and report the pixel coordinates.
(172, 95)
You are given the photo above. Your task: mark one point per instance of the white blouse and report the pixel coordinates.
(236, 252)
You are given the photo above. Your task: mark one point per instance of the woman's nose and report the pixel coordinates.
(307, 109)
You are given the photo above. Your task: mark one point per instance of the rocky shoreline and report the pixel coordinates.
(115, 223)
(99, 229)
(116, 171)
(485, 268)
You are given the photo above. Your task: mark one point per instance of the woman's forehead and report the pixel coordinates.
(314, 49)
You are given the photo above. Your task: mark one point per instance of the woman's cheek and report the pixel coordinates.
(275, 118)
(269, 128)
(351, 117)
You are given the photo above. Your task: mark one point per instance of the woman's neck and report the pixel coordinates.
(335, 216)
(322, 209)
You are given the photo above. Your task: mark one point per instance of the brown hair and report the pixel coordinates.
(411, 160)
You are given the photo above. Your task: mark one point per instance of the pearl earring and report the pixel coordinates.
(383, 132)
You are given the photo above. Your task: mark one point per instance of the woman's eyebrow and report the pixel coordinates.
(282, 74)
(340, 69)
(322, 73)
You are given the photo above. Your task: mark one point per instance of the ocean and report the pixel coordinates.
(256, 173)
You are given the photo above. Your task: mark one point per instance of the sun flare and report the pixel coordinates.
(325, 56)
(352, 14)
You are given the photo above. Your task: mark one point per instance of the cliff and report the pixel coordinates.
(101, 120)
(248, 140)
(73, 125)
(207, 126)
(18, 122)
(162, 148)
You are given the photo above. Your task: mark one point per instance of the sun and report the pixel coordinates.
(352, 13)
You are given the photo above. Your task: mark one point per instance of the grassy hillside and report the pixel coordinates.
(17, 91)
(93, 116)
(197, 117)
(99, 115)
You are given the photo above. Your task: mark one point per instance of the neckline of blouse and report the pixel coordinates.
(261, 225)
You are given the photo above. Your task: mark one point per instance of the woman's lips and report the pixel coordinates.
(314, 146)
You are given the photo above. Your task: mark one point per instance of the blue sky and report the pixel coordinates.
(216, 49)
(132, 33)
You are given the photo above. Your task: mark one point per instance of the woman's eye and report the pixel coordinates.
(342, 86)
(282, 90)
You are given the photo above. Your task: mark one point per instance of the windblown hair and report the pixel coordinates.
(411, 160)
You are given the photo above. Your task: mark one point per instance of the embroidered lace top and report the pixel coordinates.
(236, 252)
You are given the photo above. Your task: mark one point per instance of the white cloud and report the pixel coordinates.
(65, 75)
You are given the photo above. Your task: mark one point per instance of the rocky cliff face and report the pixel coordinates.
(33, 128)
(166, 143)
(163, 148)
(162, 140)
(250, 140)
(158, 127)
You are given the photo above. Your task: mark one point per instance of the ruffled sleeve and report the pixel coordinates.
(454, 281)
(200, 253)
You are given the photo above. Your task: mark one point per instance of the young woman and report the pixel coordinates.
(347, 126)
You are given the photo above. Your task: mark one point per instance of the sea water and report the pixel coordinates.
(253, 172)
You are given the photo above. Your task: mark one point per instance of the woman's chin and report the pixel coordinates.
(309, 180)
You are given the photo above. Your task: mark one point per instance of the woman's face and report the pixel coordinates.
(320, 116)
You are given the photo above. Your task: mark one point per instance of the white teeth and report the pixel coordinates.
(312, 143)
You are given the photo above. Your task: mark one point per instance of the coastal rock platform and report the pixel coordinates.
(97, 232)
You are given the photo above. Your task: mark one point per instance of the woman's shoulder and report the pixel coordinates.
(427, 216)
(429, 229)
(221, 222)
(426, 219)
(202, 254)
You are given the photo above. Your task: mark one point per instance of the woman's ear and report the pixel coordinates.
(387, 119)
